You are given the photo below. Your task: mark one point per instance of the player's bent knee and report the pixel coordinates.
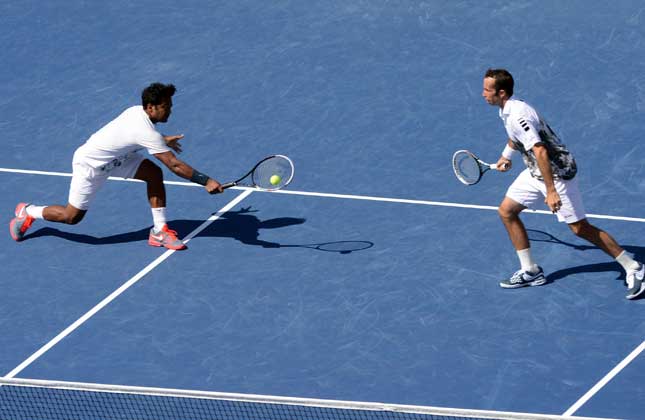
(73, 220)
(506, 213)
(74, 217)
(581, 228)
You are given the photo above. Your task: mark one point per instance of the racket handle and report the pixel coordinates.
(228, 185)
(494, 167)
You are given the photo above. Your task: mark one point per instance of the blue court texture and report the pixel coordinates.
(370, 99)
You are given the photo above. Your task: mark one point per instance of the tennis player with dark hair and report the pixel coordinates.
(113, 151)
(550, 175)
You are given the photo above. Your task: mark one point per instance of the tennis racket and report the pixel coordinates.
(469, 168)
(270, 174)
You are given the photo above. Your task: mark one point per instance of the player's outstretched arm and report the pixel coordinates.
(184, 170)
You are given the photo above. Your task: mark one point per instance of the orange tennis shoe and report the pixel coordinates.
(166, 238)
(19, 224)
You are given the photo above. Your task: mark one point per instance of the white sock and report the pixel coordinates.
(627, 261)
(159, 217)
(35, 211)
(526, 260)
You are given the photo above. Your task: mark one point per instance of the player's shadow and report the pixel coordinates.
(608, 266)
(240, 225)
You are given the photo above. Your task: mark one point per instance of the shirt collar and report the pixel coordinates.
(505, 112)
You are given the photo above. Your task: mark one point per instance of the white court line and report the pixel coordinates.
(123, 288)
(615, 371)
(568, 413)
(348, 196)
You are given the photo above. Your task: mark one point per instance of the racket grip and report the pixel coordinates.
(493, 166)
(228, 185)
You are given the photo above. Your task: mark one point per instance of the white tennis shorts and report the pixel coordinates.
(530, 192)
(86, 181)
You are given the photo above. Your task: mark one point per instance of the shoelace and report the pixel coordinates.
(171, 233)
(517, 277)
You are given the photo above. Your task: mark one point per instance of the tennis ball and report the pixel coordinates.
(275, 179)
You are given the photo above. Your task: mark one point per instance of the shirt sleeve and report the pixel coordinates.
(525, 131)
(154, 143)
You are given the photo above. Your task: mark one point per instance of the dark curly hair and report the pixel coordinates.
(157, 93)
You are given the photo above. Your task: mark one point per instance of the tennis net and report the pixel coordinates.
(22, 399)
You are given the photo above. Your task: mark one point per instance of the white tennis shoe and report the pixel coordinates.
(635, 282)
(523, 278)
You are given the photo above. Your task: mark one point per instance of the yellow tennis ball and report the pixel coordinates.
(275, 179)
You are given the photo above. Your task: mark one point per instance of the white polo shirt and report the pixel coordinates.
(526, 128)
(128, 133)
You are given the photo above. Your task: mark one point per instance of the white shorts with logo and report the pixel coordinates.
(86, 180)
(527, 191)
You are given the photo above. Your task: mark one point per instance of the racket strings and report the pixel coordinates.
(267, 170)
(467, 168)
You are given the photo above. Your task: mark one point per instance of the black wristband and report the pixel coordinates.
(199, 178)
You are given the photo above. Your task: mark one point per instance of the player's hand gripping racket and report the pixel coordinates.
(468, 167)
(270, 174)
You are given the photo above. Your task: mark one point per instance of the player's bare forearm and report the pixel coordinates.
(176, 165)
(184, 170)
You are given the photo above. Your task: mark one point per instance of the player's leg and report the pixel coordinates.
(572, 212)
(521, 195)
(160, 234)
(152, 175)
(27, 213)
(62, 214)
(509, 212)
(83, 187)
(635, 271)
(600, 238)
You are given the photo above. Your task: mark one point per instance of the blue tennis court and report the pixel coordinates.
(374, 276)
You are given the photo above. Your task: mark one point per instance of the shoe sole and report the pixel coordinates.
(537, 282)
(637, 294)
(168, 247)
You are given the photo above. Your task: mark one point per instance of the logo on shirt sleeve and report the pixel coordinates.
(524, 124)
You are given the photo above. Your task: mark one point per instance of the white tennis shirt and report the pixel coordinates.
(526, 128)
(129, 132)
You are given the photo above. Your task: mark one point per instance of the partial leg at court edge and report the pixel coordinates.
(26, 214)
(531, 274)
